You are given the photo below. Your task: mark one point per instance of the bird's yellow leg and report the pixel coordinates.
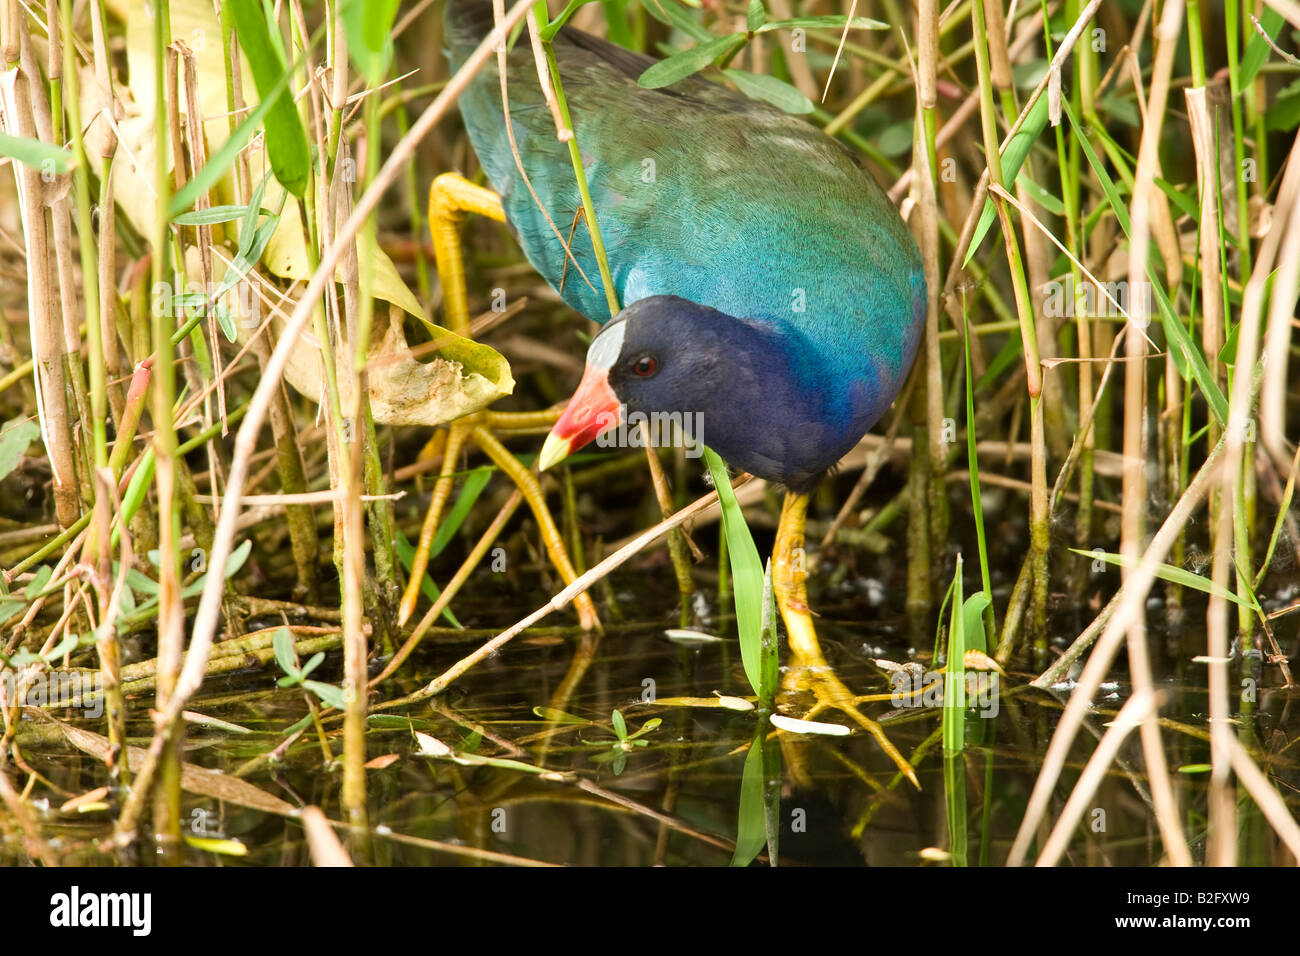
(456, 432)
(451, 197)
(523, 423)
(527, 483)
(810, 670)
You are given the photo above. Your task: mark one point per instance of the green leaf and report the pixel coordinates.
(1120, 107)
(286, 140)
(756, 16)
(65, 646)
(16, 435)
(650, 725)
(1180, 342)
(233, 564)
(36, 154)
(282, 643)
(312, 664)
(139, 581)
(620, 725)
(1257, 49)
(973, 622)
(746, 572)
(226, 321)
(212, 215)
(475, 482)
(1284, 113)
(330, 694)
(430, 589)
(896, 138)
(1176, 575)
(1228, 354)
(1011, 351)
(681, 65)
(1040, 195)
(560, 717)
(38, 582)
(220, 846)
(615, 18)
(1185, 201)
(244, 261)
(954, 686)
(1013, 157)
(126, 604)
(823, 23)
(368, 25)
(770, 90)
(751, 829)
(669, 13)
(252, 212)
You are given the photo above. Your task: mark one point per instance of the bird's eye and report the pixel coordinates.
(645, 366)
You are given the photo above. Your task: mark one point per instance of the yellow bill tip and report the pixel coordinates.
(554, 450)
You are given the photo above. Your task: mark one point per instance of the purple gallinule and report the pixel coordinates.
(768, 283)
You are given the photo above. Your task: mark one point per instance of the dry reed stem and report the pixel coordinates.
(1135, 411)
(1129, 602)
(205, 622)
(1137, 710)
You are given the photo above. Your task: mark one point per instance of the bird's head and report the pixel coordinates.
(647, 359)
(733, 384)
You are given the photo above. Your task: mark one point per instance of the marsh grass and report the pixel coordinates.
(1107, 202)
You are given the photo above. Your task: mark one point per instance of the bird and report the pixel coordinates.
(767, 283)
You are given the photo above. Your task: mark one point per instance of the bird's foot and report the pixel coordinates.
(829, 693)
(810, 671)
(480, 430)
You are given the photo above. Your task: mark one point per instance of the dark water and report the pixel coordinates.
(676, 800)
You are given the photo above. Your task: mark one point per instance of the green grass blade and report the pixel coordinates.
(954, 687)
(751, 830)
(286, 140)
(769, 658)
(36, 154)
(1013, 157)
(1186, 352)
(368, 25)
(746, 572)
(828, 22)
(475, 482)
(1174, 575)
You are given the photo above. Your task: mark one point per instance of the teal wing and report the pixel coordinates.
(700, 192)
